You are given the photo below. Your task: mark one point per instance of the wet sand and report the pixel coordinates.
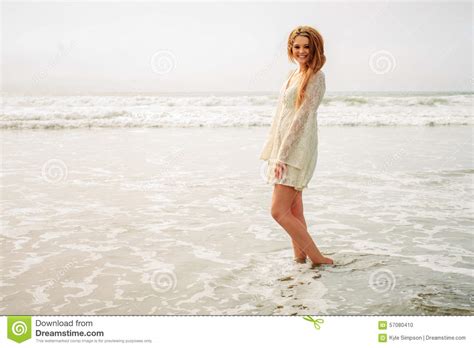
(177, 221)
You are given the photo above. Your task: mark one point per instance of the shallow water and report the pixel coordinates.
(176, 221)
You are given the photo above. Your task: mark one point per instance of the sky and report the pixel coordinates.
(69, 48)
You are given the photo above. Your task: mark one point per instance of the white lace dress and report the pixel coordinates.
(293, 136)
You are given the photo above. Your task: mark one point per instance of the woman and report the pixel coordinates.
(292, 145)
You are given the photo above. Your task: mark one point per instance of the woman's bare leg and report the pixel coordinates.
(282, 201)
(297, 211)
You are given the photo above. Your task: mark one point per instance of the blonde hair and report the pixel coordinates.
(316, 58)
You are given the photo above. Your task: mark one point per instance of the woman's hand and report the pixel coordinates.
(280, 170)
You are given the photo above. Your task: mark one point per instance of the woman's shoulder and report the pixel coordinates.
(319, 74)
(317, 78)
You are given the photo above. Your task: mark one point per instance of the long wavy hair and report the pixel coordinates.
(316, 58)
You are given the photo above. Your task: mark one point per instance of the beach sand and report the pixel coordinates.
(177, 221)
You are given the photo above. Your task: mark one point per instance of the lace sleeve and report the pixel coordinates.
(267, 147)
(291, 152)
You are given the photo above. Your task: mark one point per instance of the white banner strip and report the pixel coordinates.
(237, 331)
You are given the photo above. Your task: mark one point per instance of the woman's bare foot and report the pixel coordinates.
(324, 261)
(300, 259)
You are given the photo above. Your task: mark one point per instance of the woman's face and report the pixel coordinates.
(301, 49)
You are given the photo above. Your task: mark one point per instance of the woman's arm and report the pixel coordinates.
(313, 96)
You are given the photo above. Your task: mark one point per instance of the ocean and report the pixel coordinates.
(216, 110)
